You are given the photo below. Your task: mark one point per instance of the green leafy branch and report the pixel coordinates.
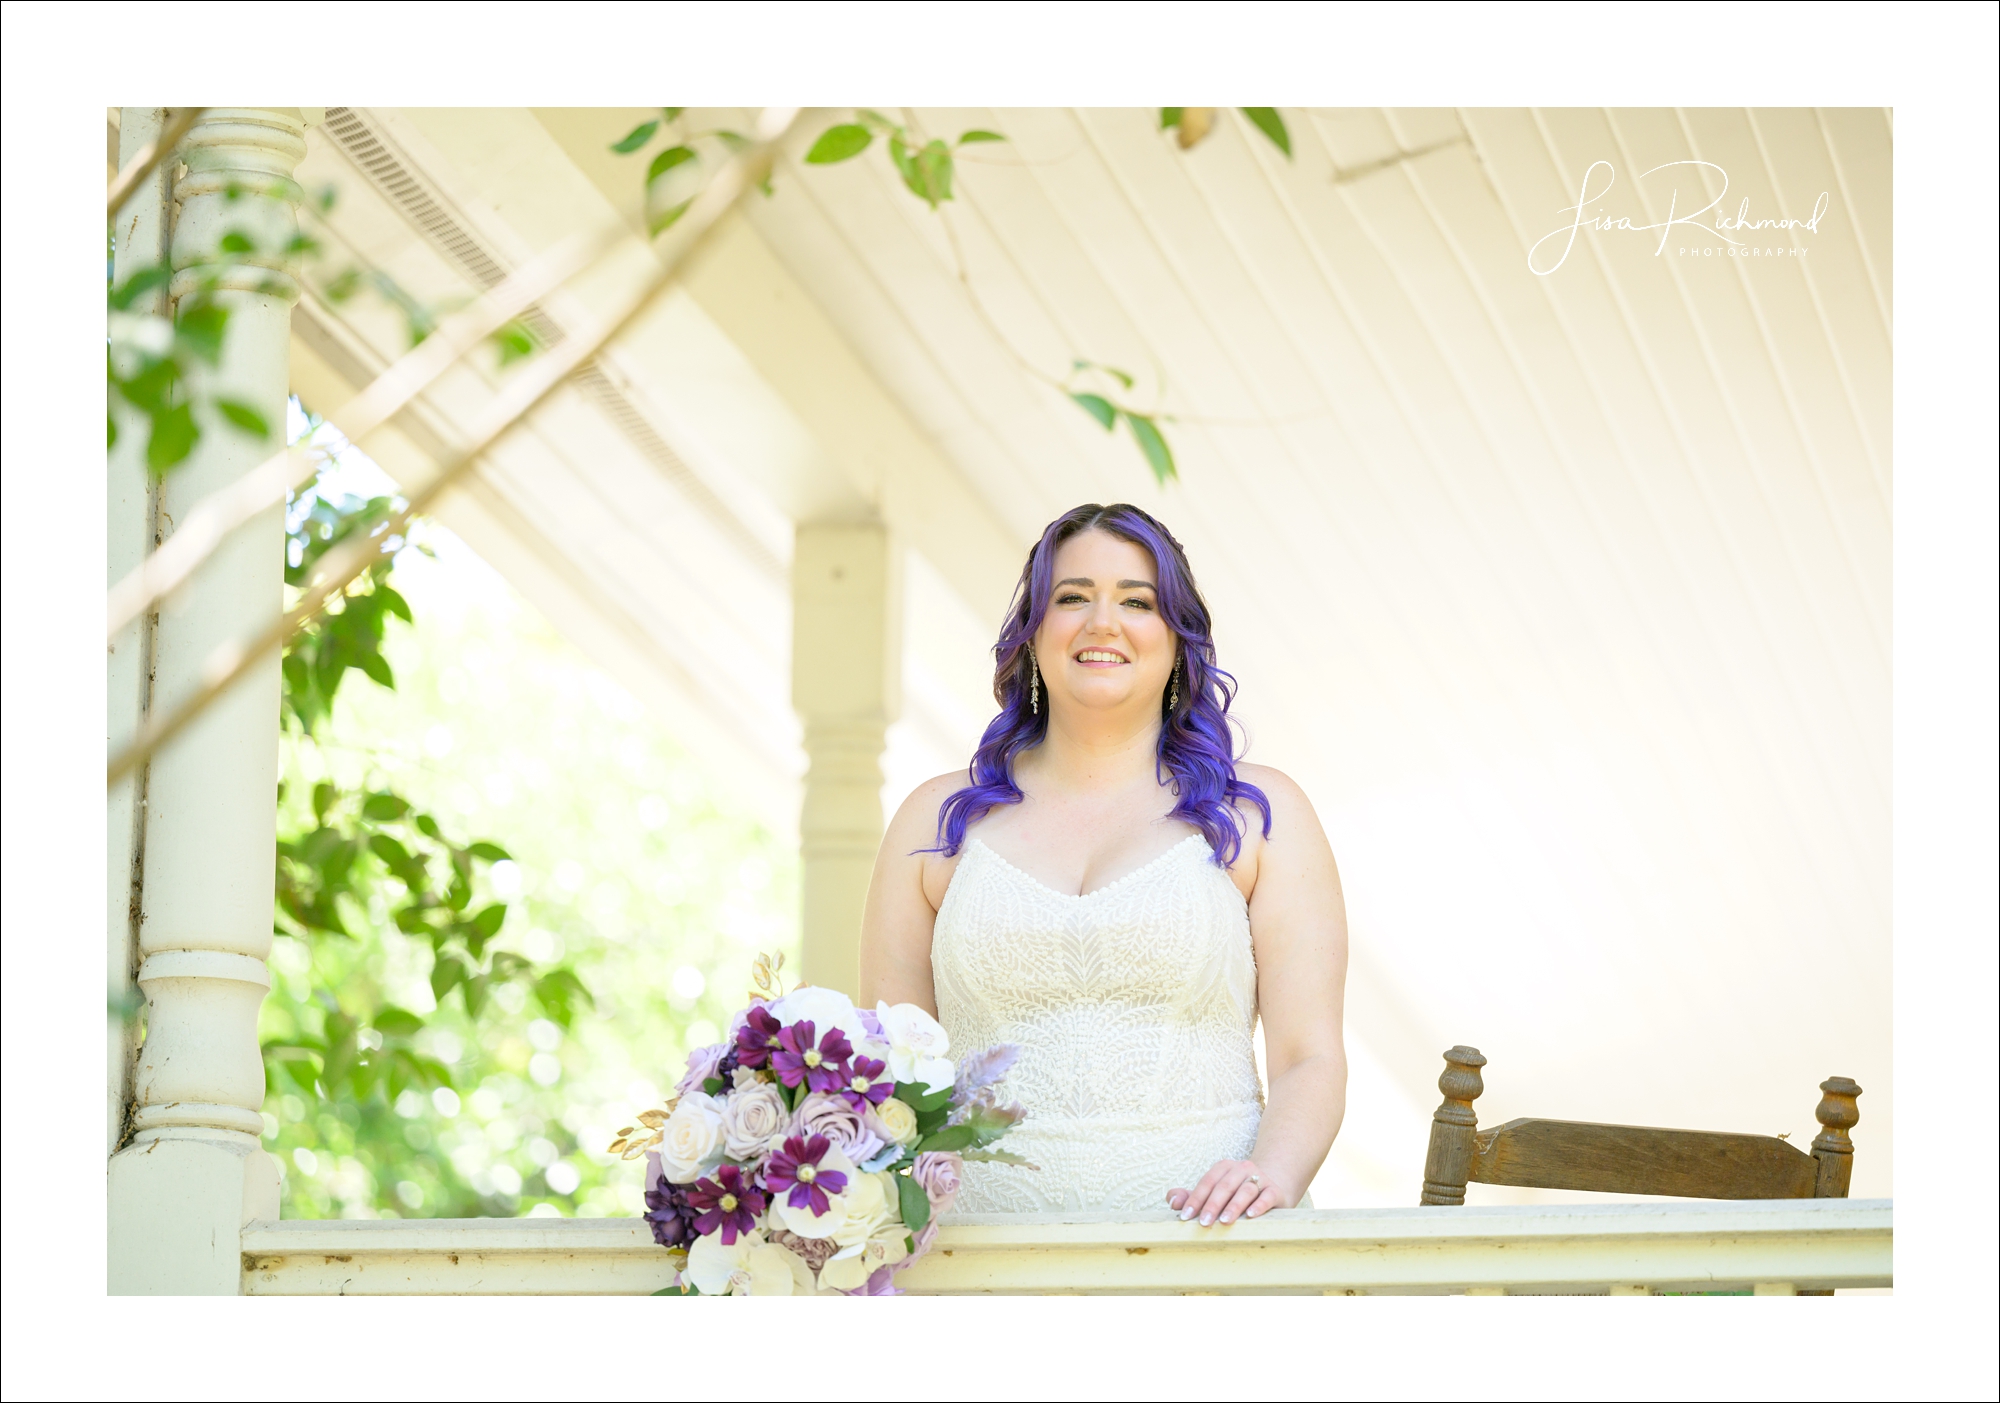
(1145, 428)
(153, 361)
(367, 860)
(925, 166)
(512, 341)
(1191, 124)
(667, 195)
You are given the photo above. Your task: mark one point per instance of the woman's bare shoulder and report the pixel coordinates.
(1281, 789)
(918, 814)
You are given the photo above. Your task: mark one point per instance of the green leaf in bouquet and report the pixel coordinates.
(930, 1120)
(952, 1137)
(918, 1099)
(677, 1291)
(914, 1203)
(713, 1086)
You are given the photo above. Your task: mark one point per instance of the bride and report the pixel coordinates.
(1108, 889)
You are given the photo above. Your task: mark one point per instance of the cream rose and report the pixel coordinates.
(871, 1206)
(754, 1121)
(895, 1122)
(691, 1140)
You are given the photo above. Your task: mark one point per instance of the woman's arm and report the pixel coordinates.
(1298, 927)
(903, 897)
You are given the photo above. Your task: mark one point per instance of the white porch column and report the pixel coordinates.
(140, 236)
(846, 686)
(194, 1170)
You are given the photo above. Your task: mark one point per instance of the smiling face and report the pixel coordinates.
(1102, 644)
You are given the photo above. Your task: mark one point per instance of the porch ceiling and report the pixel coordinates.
(1566, 596)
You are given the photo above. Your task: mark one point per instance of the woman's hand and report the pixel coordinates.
(1235, 1188)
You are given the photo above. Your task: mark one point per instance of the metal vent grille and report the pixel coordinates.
(426, 211)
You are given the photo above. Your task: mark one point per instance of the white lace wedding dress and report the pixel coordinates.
(1134, 1006)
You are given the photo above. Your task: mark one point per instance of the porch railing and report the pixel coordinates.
(1763, 1248)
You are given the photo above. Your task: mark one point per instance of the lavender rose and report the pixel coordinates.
(703, 1063)
(824, 1114)
(755, 1121)
(940, 1174)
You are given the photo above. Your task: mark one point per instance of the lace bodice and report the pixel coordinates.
(1134, 1006)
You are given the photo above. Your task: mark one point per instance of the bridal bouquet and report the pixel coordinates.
(815, 1149)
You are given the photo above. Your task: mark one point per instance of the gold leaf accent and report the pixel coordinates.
(652, 1120)
(626, 1129)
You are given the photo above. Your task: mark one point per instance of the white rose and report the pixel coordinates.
(871, 1206)
(895, 1122)
(691, 1142)
(824, 1009)
(917, 1046)
(754, 1121)
(885, 1248)
(802, 1220)
(748, 1267)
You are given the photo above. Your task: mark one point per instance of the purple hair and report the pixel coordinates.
(1196, 746)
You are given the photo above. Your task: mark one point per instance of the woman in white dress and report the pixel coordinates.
(1108, 889)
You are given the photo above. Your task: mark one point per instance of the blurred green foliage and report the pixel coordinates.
(457, 1027)
(927, 167)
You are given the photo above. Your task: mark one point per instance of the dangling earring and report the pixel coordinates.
(1174, 693)
(1034, 685)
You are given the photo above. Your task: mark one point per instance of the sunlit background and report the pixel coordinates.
(1565, 597)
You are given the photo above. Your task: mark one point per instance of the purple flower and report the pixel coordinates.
(859, 1084)
(728, 1201)
(845, 1128)
(796, 1168)
(757, 1038)
(939, 1173)
(983, 1069)
(703, 1063)
(667, 1207)
(798, 1060)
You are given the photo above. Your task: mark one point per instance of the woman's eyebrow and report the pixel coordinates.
(1092, 584)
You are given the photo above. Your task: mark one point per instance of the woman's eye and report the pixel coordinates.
(1140, 603)
(1070, 598)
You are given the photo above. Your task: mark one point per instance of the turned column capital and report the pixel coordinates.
(234, 176)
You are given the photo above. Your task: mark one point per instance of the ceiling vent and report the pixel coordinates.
(384, 168)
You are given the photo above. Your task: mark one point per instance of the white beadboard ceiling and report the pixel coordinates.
(1566, 597)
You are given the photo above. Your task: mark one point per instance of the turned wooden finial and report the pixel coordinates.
(1453, 1125)
(1837, 1114)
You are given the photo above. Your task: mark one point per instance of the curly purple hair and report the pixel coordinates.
(1196, 746)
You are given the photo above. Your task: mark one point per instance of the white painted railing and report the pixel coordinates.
(1770, 1248)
